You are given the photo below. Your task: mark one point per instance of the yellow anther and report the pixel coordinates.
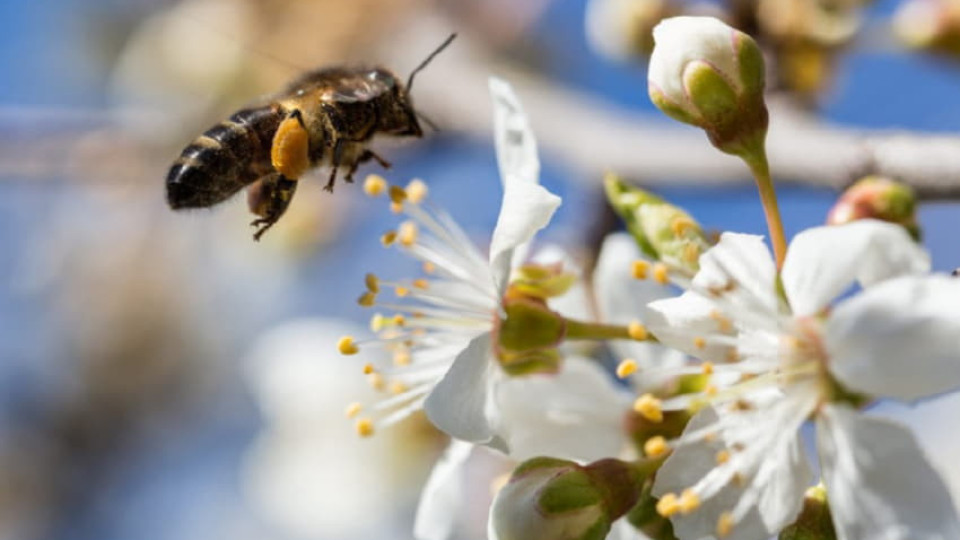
(407, 234)
(353, 409)
(364, 427)
(417, 191)
(732, 355)
(397, 194)
(397, 387)
(707, 368)
(639, 269)
(377, 322)
(388, 238)
(723, 456)
(660, 274)
(372, 283)
(396, 207)
(680, 226)
(738, 480)
(723, 322)
(399, 319)
(689, 501)
(656, 446)
(374, 185)
(700, 343)
(429, 267)
(401, 291)
(725, 524)
(668, 505)
(346, 346)
(626, 368)
(367, 299)
(710, 437)
(375, 380)
(368, 368)
(648, 407)
(421, 283)
(710, 390)
(637, 331)
(691, 253)
(401, 358)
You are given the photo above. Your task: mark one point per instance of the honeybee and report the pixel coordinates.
(326, 117)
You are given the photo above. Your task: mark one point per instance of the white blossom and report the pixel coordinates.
(777, 361)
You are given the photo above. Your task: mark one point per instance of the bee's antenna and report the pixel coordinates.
(426, 120)
(428, 59)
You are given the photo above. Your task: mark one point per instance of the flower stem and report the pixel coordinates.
(757, 161)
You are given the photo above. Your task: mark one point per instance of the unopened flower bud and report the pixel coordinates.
(876, 197)
(705, 73)
(814, 521)
(553, 499)
(663, 231)
(623, 29)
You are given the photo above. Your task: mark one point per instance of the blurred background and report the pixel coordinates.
(162, 376)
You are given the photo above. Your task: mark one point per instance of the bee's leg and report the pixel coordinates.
(335, 164)
(269, 198)
(366, 156)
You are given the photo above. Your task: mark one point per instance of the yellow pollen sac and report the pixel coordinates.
(374, 185)
(401, 291)
(668, 505)
(401, 358)
(346, 346)
(710, 437)
(407, 233)
(700, 343)
(388, 238)
(724, 524)
(738, 480)
(660, 274)
(626, 368)
(399, 320)
(639, 269)
(656, 446)
(375, 380)
(691, 253)
(421, 284)
(723, 322)
(689, 501)
(372, 283)
(707, 368)
(367, 299)
(377, 322)
(648, 407)
(710, 390)
(637, 331)
(397, 387)
(429, 267)
(396, 207)
(368, 368)
(290, 150)
(353, 410)
(732, 356)
(417, 191)
(364, 427)
(723, 456)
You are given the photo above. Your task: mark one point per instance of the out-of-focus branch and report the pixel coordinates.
(594, 136)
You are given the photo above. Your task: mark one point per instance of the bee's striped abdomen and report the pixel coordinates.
(224, 159)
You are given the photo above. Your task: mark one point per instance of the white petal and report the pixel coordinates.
(898, 339)
(442, 497)
(526, 209)
(823, 262)
(741, 270)
(678, 322)
(575, 414)
(516, 146)
(780, 495)
(879, 483)
(459, 404)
